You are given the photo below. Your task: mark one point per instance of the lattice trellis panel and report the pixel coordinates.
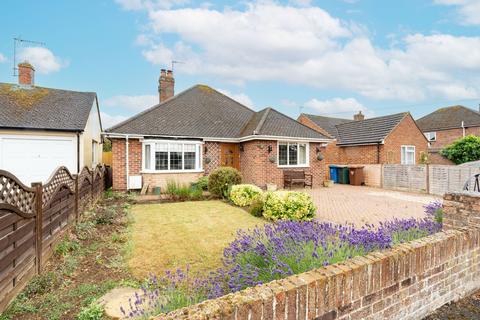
(61, 177)
(13, 193)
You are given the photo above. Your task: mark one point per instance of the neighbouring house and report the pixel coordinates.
(445, 125)
(190, 134)
(43, 128)
(392, 139)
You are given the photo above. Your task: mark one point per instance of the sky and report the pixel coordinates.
(330, 57)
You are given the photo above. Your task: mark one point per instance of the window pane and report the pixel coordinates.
(302, 154)
(282, 154)
(189, 156)
(147, 157)
(175, 157)
(161, 160)
(292, 154)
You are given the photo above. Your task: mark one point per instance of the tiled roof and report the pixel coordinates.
(44, 108)
(373, 130)
(448, 118)
(204, 112)
(327, 123)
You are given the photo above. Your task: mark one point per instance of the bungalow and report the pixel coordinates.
(445, 125)
(190, 134)
(43, 128)
(392, 139)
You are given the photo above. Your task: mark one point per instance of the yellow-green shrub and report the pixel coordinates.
(244, 195)
(222, 179)
(288, 205)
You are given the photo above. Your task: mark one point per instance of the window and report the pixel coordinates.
(94, 153)
(408, 154)
(171, 156)
(292, 154)
(431, 136)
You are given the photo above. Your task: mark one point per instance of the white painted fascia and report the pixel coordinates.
(216, 139)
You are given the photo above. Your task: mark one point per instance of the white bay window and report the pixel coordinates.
(292, 154)
(172, 156)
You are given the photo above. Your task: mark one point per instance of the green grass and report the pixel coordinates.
(168, 236)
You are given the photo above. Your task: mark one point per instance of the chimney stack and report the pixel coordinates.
(166, 85)
(26, 74)
(359, 116)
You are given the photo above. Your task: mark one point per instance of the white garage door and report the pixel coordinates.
(34, 158)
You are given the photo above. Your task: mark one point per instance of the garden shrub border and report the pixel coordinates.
(408, 281)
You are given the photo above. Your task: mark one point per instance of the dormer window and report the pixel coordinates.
(431, 136)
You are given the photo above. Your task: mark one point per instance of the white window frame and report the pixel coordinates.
(307, 156)
(198, 156)
(431, 136)
(403, 157)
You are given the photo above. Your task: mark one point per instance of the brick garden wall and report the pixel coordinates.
(407, 282)
(257, 168)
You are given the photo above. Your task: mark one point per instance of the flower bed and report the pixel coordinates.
(276, 251)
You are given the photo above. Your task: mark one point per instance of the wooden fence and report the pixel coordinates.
(34, 219)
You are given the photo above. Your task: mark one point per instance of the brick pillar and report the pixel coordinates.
(461, 210)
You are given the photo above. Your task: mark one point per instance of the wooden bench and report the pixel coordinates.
(291, 177)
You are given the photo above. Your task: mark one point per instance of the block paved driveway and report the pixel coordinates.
(360, 204)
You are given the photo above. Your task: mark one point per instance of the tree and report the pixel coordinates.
(463, 150)
(107, 145)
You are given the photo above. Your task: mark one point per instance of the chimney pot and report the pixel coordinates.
(359, 116)
(166, 85)
(26, 74)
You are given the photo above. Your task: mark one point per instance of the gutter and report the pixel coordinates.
(233, 140)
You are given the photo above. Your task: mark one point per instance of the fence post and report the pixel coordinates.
(38, 223)
(427, 177)
(92, 188)
(77, 215)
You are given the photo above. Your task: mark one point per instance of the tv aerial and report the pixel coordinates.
(174, 62)
(18, 42)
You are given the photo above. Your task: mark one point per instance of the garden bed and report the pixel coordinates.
(86, 264)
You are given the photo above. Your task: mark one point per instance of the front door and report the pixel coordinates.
(230, 155)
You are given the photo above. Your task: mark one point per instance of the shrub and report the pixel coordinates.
(288, 205)
(256, 208)
(201, 183)
(183, 192)
(222, 179)
(93, 311)
(463, 150)
(244, 195)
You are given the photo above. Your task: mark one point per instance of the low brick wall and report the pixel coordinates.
(406, 282)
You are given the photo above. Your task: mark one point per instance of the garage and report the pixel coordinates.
(34, 158)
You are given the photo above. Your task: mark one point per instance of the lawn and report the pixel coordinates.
(173, 235)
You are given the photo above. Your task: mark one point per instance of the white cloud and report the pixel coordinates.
(149, 4)
(239, 97)
(109, 120)
(2, 58)
(42, 59)
(313, 49)
(337, 107)
(136, 103)
(468, 10)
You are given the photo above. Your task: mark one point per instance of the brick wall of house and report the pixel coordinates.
(119, 161)
(406, 133)
(434, 157)
(257, 168)
(211, 158)
(446, 137)
(406, 282)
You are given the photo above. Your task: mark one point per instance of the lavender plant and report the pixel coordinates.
(275, 251)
